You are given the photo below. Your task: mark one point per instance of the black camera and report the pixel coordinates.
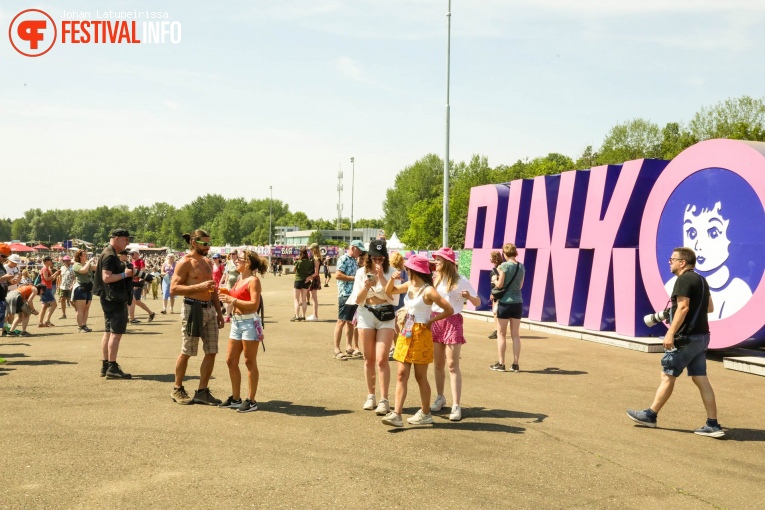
(653, 319)
(144, 275)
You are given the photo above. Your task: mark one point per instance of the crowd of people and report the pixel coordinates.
(391, 308)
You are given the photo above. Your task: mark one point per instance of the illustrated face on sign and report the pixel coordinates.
(705, 231)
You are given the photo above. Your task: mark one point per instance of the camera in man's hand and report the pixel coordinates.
(143, 275)
(653, 319)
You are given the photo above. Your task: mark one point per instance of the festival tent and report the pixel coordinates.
(58, 247)
(394, 243)
(41, 247)
(21, 248)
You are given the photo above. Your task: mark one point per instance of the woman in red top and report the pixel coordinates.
(246, 329)
(218, 269)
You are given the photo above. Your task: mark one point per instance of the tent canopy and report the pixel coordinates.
(394, 243)
(41, 247)
(21, 248)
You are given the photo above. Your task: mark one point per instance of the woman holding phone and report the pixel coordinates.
(509, 307)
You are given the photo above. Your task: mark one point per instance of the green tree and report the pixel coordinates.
(634, 139)
(417, 184)
(741, 118)
(317, 237)
(675, 139)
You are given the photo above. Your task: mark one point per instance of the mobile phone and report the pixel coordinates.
(370, 276)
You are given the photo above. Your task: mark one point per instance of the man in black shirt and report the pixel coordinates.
(110, 285)
(691, 302)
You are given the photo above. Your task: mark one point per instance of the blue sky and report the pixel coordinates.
(283, 93)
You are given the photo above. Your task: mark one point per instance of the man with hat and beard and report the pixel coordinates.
(109, 283)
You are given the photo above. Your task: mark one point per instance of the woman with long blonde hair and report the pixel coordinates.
(448, 335)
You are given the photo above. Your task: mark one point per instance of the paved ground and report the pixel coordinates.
(552, 436)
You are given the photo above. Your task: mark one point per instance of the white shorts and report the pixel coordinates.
(367, 320)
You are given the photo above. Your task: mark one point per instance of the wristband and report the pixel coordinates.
(123, 276)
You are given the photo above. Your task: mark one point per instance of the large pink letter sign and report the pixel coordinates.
(595, 243)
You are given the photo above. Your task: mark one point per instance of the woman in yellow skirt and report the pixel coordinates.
(414, 345)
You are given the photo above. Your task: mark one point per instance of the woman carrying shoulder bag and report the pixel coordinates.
(509, 306)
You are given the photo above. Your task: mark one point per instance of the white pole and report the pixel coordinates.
(270, 213)
(445, 239)
(353, 180)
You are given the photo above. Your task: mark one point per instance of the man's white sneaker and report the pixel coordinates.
(438, 404)
(370, 403)
(420, 418)
(312, 318)
(383, 407)
(393, 419)
(456, 414)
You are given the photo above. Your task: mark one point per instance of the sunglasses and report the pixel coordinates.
(202, 243)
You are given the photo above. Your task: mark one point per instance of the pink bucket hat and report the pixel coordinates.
(66, 258)
(446, 253)
(418, 263)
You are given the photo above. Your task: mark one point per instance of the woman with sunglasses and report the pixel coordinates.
(448, 336)
(246, 330)
(82, 295)
(375, 322)
(168, 269)
(414, 345)
(510, 307)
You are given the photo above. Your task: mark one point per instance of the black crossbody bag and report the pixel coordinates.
(683, 339)
(498, 293)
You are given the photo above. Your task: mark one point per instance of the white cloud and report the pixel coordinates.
(350, 69)
(169, 103)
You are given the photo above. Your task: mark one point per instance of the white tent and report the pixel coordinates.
(394, 243)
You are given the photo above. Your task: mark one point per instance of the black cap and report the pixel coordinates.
(123, 252)
(121, 232)
(378, 248)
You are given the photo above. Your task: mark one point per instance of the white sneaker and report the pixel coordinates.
(438, 404)
(370, 403)
(420, 418)
(312, 318)
(383, 407)
(393, 419)
(456, 414)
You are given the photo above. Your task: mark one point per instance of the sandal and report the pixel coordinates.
(50, 324)
(357, 354)
(42, 325)
(349, 352)
(341, 356)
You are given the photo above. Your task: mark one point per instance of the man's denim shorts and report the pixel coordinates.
(47, 297)
(693, 357)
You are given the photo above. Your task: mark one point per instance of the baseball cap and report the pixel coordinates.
(358, 244)
(121, 232)
(66, 258)
(134, 251)
(216, 255)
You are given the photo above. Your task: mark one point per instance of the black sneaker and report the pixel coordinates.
(86, 329)
(497, 367)
(231, 403)
(247, 406)
(104, 367)
(493, 336)
(135, 321)
(151, 316)
(295, 319)
(515, 368)
(114, 372)
(205, 397)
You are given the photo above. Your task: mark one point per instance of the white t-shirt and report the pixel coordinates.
(14, 271)
(453, 297)
(377, 290)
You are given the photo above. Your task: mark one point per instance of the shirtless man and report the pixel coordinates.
(201, 317)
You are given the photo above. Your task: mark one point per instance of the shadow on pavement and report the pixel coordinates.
(4, 371)
(288, 408)
(555, 371)
(166, 378)
(14, 355)
(17, 344)
(41, 362)
(533, 336)
(744, 435)
(482, 412)
(463, 425)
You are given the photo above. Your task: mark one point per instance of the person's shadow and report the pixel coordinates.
(555, 371)
(288, 408)
(165, 378)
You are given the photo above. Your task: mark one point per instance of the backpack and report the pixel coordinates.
(38, 280)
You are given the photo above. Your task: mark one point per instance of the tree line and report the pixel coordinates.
(230, 221)
(413, 205)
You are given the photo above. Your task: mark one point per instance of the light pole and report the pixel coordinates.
(446, 156)
(270, 229)
(353, 178)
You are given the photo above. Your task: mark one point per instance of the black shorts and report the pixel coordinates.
(509, 310)
(115, 316)
(80, 294)
(301, 284)
(345, 312)
(137, 293)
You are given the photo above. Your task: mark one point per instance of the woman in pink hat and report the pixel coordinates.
(415, 342)
(447, 333)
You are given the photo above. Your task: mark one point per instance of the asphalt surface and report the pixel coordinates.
(554, 435)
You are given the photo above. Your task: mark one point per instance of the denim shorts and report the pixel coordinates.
(693, 357)
(243, 329)
(345, 312)
(47, 297)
